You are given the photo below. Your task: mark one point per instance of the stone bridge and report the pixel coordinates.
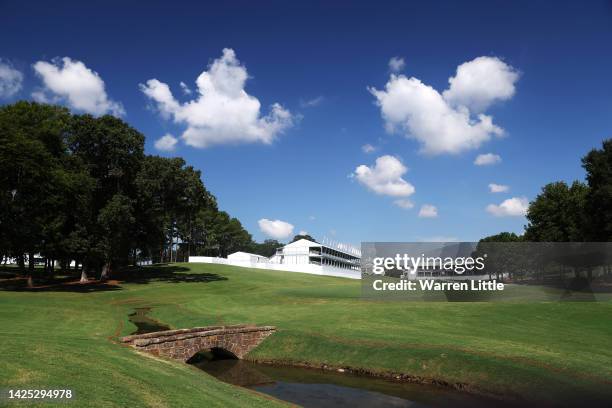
(183, 344)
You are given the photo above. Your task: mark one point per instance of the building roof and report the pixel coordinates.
(245, 253)
(307, 243)
(302, 242)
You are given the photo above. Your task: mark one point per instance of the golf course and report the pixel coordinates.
(65, 336)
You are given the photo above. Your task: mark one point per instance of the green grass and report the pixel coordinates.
(536, 350)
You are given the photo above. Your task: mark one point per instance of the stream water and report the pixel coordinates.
(319, 388)
(143, 323)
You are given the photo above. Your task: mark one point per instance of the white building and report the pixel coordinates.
(300, 256)
(305, 252)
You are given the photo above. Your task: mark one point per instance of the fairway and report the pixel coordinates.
(63, 337)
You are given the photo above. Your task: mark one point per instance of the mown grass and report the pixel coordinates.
(64, 340)
(535, 350)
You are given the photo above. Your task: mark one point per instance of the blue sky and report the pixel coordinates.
(298, 163)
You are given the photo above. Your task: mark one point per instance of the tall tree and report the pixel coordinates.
(558, 213)
(170, 195)
(113, 152)
(598, 166)
(33, 182)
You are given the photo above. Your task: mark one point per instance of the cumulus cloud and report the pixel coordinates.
(396, 64)
(166, 143)
(487, 159)
(276, 229)
(11, 79)
(385, 177)
(404, 204)
(498, 188)
(449, 122)
(428, 211)
(480, 83)
(223, 112)
(512, 207)
(368, 148)
(71, 81)
(303, 232)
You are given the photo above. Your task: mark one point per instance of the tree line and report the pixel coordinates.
(79, 190)
(578, 215)
(579, 212)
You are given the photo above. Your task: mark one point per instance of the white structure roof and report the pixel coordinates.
(246, 256)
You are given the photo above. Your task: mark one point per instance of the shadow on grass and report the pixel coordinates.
(166, 273)
(56, 285)
(11, 281)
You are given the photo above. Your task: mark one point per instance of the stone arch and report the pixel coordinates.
(183, 344)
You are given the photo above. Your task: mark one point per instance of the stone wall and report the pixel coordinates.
(184, 343)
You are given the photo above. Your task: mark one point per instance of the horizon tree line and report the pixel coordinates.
(579, 212)
(78, 189)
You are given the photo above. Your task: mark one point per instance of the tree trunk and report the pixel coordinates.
(31, 271)
(84, 278)
(105, 271)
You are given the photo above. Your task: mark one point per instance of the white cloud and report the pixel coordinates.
(512, 207)
(11, 80)
(185, 88)
(312, 218)
(428, 211)
(71, 81)
(368, 148)
(302, 232)
(487, 159)
(443, 123)
(396, 64)
(222, 112)
(276, 229)
(498, 188)
(385, 177)
(310, 103)
(404, 204)
(166, 143)
(480, 83)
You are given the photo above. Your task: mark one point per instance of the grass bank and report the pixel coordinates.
(544, 351)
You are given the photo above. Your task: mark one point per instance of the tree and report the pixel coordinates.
(303, 236)
(598, 166)
(267, 248)
(170, 196)
(558, 213)
(33, 180)
(112, 151)
(77, 187)
(503, 237)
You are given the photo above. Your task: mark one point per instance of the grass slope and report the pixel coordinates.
(62, 340)
(536, 350)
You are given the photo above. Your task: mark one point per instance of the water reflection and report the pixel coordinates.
(318, 388)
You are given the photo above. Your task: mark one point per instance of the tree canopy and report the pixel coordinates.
(79, 189)
(580, 212)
